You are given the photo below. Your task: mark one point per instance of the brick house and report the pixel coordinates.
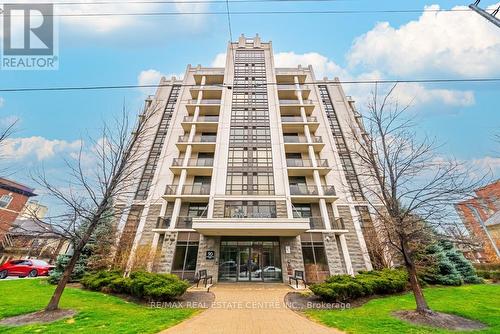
(13, 197)
(481, 217)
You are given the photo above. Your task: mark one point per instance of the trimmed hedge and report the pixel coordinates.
(344, 288)
(140, 284)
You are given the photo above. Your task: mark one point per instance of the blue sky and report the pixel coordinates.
(131, 50)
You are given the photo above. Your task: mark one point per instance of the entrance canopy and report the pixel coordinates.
(251, 226)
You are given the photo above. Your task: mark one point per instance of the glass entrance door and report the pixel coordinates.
(250, 260)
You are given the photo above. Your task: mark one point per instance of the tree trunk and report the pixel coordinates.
(56, 296)
(422, 306)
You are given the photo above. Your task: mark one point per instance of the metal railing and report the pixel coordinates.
(200, 119)
(203, 162)
(301, 139)
(291, 87)
(297, 119)
(163, 222)
(303, 189)
(337, 223)
(205, 101)
(329, 190)
(202, 139)
(316, 223)
(184, 222)
(189, 189)
(296, 102)
(306, 163)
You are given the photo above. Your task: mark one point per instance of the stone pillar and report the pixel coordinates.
(294, 258)
(333, 254)
(212, 266)
(167, 252)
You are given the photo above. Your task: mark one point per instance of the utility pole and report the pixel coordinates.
(490, 17)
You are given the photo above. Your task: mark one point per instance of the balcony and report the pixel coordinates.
(192, 192)
(337, 223)
(296, 123)
(316, 223)
(212, 91)
(251, 226)
(292, 106)
(303, 193)
(202, 166)
(304, 167)
(288, 91)
(162, 224)
(184, 223)
(207, 106)
(199, 143)
(203, 123)
(299, 144)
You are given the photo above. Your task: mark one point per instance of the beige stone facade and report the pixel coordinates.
(252, 162)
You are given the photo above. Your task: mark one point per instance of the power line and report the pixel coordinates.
(106, 87)
(269, 12)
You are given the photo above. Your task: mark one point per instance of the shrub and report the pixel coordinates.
(99, 280)
(140, 284)
(494, 275)
(343, 288)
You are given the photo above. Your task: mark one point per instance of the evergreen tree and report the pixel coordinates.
(61, 263)
(439, 268)
(463, 266)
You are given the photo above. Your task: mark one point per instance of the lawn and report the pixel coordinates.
(478, 302)
(97, 312)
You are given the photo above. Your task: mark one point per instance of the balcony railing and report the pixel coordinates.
(205, 101)
(290, 86)
(297, 139)
(296, 102)
(189, 189)
(303, 189)
(337, 223)
(329, 190)
(202, 139)
(316, 223)
(163, 222)
(203, 162)
(297, 119)
(306, 163)
(214, 119)
(184, 222)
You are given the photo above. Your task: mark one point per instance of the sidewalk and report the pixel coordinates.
(249, 309)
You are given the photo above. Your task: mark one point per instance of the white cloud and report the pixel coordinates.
(118, 23)
(407, 93)
(219, 60)
(460, 43)
(42, 148)
(488, 163)
(153, 77)
(2, 102)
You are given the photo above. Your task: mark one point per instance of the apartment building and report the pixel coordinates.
(249, 175)
(481, 216)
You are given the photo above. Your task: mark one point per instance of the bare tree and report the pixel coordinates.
(411, 189)
(97, 178)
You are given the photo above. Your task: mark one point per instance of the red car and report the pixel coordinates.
(23, 268)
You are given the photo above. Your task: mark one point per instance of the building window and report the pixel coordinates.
(302, 210)
(198, 210)
(186, 253)
(250, 209)
(5, 201)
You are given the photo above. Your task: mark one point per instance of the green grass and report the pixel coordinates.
(97, 312)
(478, 302)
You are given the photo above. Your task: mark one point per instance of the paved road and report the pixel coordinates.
(249, 309)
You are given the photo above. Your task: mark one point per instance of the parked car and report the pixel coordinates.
(269, 271)
(23, 268)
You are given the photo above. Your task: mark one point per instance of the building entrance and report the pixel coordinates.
(250, 260)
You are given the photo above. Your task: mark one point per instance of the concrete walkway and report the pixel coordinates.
(249, 309)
